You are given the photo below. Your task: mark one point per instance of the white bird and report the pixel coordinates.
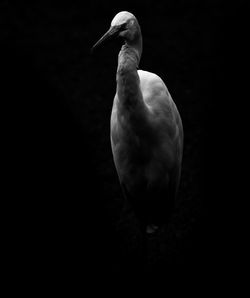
(146, 131)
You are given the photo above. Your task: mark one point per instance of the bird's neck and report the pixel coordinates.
(128, 82)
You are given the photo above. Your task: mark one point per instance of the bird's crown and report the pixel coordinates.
(122, 18)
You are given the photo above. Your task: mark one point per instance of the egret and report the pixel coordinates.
(146, 131)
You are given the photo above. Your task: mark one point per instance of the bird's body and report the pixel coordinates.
(146, 133)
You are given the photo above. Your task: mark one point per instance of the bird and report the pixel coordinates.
(146, 131)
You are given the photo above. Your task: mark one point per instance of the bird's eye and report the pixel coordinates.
(123, 27)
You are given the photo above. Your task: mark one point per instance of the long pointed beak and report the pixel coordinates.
(112, 32)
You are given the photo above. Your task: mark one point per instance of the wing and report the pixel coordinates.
(163, 114)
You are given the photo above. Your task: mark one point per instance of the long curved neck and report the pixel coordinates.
(128, 82)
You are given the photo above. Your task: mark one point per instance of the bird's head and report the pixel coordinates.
(125, 25)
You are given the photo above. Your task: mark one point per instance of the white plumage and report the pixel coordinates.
(146, 131)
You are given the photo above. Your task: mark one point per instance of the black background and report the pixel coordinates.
(62, 192)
